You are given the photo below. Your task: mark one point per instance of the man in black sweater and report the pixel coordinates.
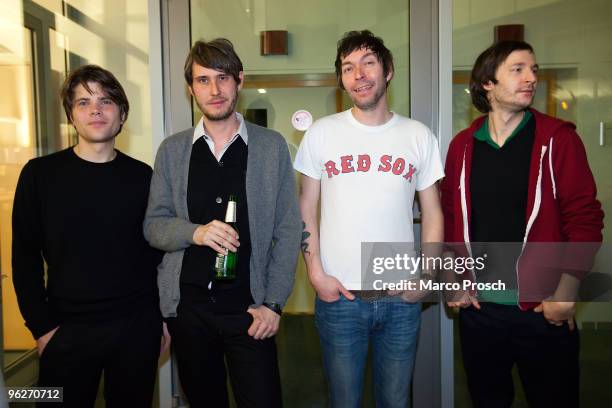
(81, 210)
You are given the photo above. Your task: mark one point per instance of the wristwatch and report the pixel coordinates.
(275, 307)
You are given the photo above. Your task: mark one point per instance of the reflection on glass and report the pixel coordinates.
(18, 144)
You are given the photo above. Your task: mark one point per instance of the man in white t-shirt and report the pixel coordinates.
(365, 165)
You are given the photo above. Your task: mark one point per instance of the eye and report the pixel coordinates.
(347, 69)
(202, 80)
(107, 102)
(82, 103)
(223, 77)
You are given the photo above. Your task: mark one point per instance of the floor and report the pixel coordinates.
(304, 383)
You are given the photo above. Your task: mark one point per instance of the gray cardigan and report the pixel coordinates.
(274, 218)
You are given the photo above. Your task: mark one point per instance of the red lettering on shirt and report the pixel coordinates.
(331, 169)
(347, 166)
(411, 171)
(364, 165)
(398, 166)
(385, 163)
(363, 162)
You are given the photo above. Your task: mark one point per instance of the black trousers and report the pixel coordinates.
(125, 348)
(496, 337)
(202, 340)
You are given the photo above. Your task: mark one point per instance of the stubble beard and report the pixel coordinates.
(371, 104)
(511, 102)
(225, 114)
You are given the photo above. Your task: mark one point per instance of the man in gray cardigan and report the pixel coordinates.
(195, 172)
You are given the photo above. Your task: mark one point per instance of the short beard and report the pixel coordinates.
(374, 102)
(223, 115)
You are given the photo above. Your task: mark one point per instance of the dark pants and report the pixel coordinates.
(125, 348)
(496, 337)
(201, 340)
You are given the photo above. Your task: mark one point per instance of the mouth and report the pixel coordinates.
(97, 123)
(217, 102)
(363, 88)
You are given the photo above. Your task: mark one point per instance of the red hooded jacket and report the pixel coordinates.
(561, 205)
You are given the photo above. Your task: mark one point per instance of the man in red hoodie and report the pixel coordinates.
(519, 176)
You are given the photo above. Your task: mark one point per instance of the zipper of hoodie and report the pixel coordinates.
(532, 217)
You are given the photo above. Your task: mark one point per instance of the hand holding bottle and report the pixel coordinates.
(217, 235)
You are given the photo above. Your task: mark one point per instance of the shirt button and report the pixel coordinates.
(218, 200)
(220, 164)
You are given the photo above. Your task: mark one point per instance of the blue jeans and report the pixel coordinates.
(345, 328)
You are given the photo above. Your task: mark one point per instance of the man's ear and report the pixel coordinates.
(488, 85)
(390, 75)
(190, 90)
(241, 76)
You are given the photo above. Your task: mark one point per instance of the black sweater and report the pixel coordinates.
(210, 185)
(85, 220)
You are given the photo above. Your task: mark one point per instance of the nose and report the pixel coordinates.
(96, 108)
(531, 76)
(214, 88)
(358, 72)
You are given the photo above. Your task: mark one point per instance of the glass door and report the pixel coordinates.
(575, 84)
(32, 123)
(18, 138)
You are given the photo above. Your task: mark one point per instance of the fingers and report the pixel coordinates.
(217, 235)
(254, 327)
(324, 296)
(262, 327)
(345, 292)
(539, 308)
(475, 303)
(166, 339)
(572, 324)
(42, 341)
(265, 330)
(223, 236)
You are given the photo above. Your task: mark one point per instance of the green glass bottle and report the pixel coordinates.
(225, 265)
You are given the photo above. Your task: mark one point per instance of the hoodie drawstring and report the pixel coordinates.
(550, 165)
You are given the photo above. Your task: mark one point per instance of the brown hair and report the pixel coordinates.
(356, 40)
(485, 68)
(99, 75)
(217, 54)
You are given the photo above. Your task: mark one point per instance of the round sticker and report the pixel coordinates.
(301, 120)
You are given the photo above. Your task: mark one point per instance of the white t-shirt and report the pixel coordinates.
(369, 175)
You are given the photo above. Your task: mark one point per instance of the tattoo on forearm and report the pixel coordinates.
(305, 235)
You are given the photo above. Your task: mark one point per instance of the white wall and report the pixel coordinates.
(314, 28)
